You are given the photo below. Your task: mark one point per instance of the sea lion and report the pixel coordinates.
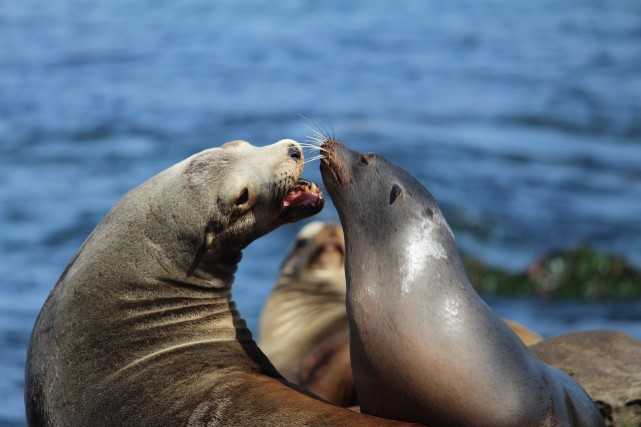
(525, 334)
(141, 328)
(304, 328)
(307, 303)
(424, 346)
(327, 371)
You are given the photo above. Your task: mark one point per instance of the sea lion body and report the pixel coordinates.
(307, 304)
(528, 336)
(327, 371)
(424, 346)
(304, 326)
(141, 329)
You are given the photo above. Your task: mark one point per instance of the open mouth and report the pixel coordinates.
(302, 200)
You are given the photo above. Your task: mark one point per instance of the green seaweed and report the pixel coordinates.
(578, 273)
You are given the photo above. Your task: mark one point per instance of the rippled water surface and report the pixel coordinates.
(522, 118)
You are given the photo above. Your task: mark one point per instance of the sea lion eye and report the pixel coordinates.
(394, 193)
(363, 160)
(242, 199)
(300, 244)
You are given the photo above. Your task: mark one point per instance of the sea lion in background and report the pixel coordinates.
(307, 303)
(327, 371)
(424, 346)
(526, 335)
(141, 328)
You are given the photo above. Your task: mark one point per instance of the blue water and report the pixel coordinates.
(523, 119)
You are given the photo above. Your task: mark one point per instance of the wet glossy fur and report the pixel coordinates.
(424, 345)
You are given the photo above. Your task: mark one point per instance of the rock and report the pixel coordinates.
(607, 364)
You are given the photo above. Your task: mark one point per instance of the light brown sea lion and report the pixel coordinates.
(307, 303)
(141, 328)
(526, 335)
(424, 346)
(327, 370)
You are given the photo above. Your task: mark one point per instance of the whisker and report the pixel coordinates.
(320, 134)
(316, 141)
(311, 159)
(329, 135)
(311, 147)
(317, 137)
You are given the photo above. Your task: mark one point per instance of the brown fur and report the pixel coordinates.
(307, 304)
(141, 328)
(304, 327)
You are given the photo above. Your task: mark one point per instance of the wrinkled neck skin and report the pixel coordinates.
(152, 281)
(312, 300)
(307, 303)
(298, 315)
(170, 289)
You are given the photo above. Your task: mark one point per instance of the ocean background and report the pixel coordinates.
(522, 118)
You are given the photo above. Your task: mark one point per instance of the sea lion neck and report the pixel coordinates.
(132, 271)
(145, 282)
(213, 269)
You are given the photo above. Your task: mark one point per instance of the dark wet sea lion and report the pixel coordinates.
(141, 328)
(304, 328)
(424, 346)
(326, 371)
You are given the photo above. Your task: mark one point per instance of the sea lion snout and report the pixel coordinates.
(333, 164)
(291, 148)
(295, 152)
(302, 198)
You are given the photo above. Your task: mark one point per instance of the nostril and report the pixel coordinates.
(294, 152)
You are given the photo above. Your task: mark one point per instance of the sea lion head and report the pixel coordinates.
(387, 211)
(256, 188)
(318, 253)
(205, 210)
